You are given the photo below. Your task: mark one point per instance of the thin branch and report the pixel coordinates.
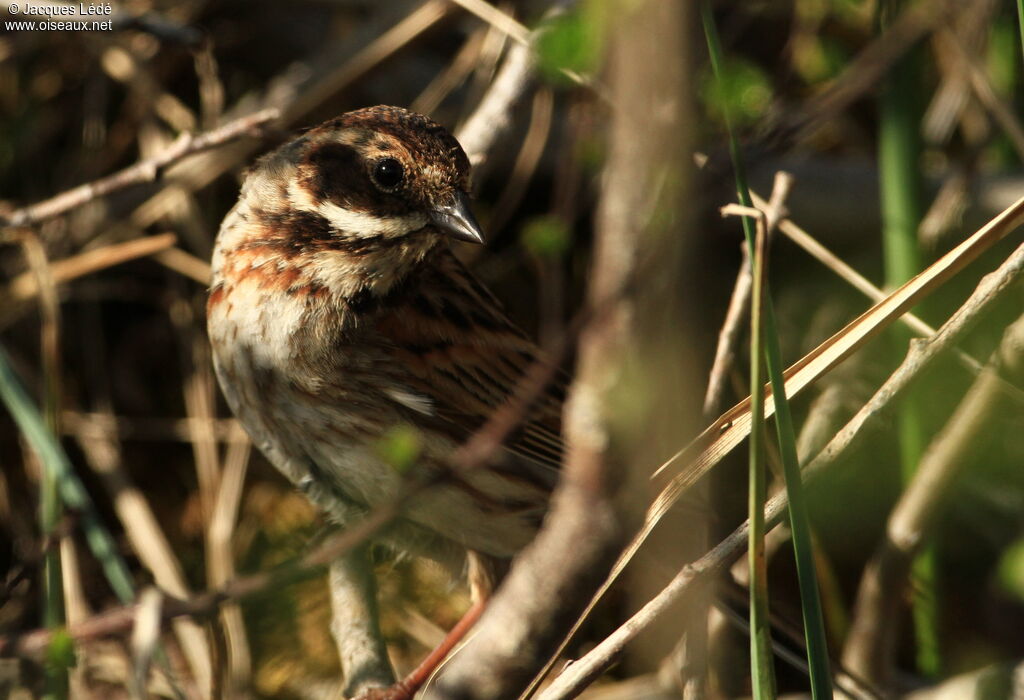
(15, 297)
(144, 171)
(732, 326)
(870, 646)
(492, 116)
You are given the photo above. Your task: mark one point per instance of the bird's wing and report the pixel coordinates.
(464, 358)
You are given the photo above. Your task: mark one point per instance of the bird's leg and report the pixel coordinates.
(482, 580)
(355, 624)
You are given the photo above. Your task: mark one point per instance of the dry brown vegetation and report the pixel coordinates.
(601, 164)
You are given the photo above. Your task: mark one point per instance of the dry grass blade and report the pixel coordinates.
(185, 263)
(732, 325)
(98, 438)
(25, 287)
(14, 299)
(418, 21)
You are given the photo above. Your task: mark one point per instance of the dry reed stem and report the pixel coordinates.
(457, 71)
(492, 116)
(185, 264)
(220, 559)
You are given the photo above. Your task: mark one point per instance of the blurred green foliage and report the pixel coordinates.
(573, 42)
(546, 237)
(60, 653)
(400, 447)
(744, 91)
(1011, 569)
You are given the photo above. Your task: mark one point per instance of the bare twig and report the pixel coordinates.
(186, 264)
(728, 337)
(24, 287)
(493, 115)
(460, 67)
(498, 19)
(870, 647)
(143, 171)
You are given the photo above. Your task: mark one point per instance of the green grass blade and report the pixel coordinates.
(899, 152)
(762, 660)
(800, 525)
(814, 626)
(761, 656)
(55, 463)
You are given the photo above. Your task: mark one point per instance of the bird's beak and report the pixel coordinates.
(457, 220)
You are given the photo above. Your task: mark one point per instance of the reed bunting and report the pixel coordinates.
(338, 315)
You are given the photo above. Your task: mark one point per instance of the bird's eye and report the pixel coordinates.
(388, 173)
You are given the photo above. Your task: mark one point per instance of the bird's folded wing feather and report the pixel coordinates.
(464, 359)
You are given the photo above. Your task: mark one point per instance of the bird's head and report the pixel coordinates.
(376, 176)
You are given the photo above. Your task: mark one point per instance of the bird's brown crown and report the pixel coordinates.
(381, 161)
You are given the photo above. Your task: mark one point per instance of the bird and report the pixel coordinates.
(338, 314)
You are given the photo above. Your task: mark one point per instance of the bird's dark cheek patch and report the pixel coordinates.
(336, 173)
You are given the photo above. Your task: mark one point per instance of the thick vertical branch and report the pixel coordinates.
(617, 402)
